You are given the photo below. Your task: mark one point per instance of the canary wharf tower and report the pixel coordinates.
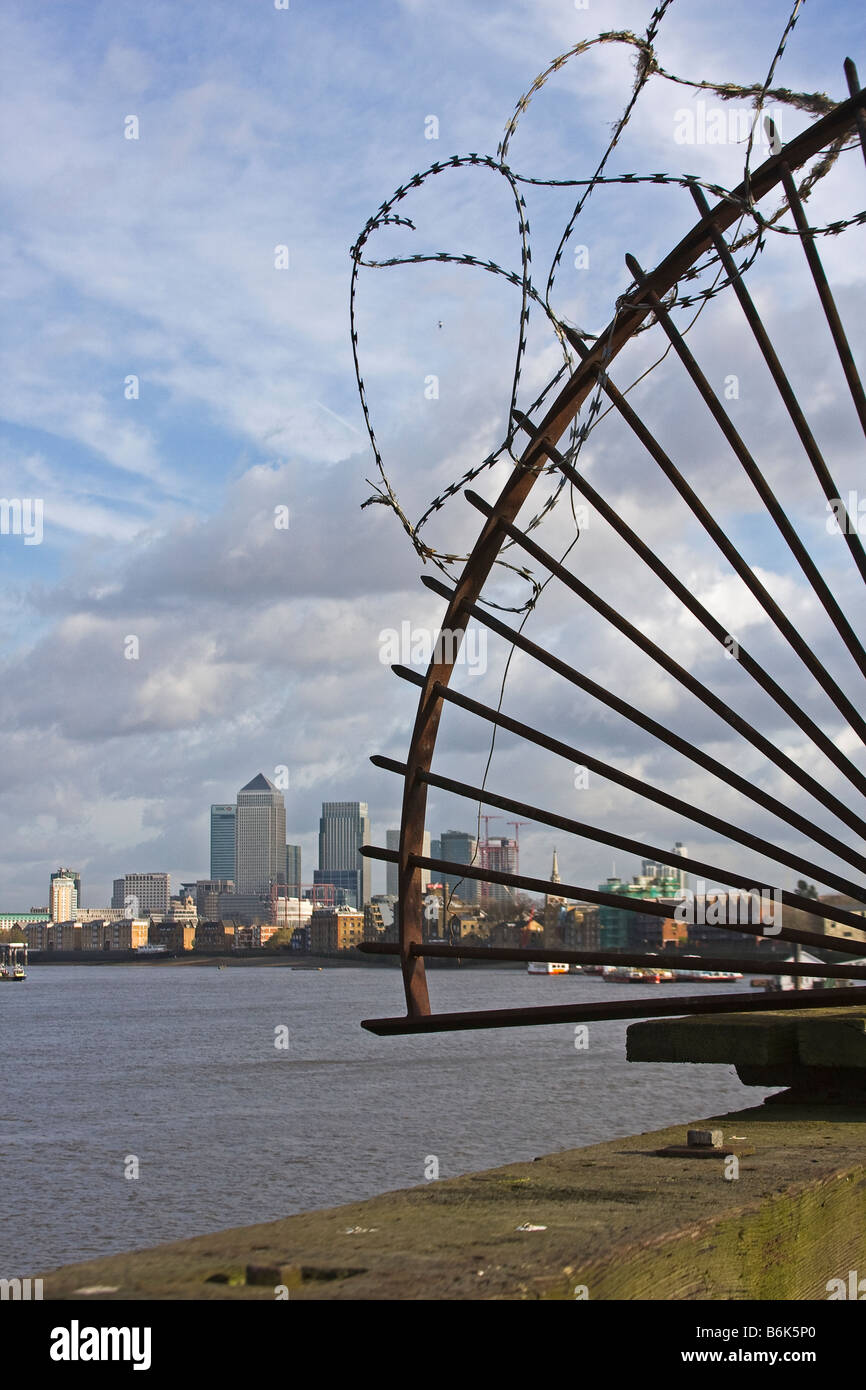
(344, 826)
(260, 847)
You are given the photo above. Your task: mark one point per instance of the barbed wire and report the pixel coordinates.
(814, 104)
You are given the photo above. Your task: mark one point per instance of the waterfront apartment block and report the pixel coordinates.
(123, 934)
(255, 937)
(579, 927)
(34, 934)
(98, 914)
(380, 918)
(174, 936)
(215, 936)
(335, 929)
(142, 894)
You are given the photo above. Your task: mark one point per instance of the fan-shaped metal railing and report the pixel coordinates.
(645, 299)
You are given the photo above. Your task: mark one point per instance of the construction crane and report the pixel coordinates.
(517, 824)
(484, 852)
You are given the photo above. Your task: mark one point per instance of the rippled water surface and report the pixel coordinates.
(177, 1066)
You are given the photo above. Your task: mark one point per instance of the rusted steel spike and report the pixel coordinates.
(682, 808)
(828, 304)
(678, 672)
(644, 721)
(854, 88)
(653, 907)
(783, 385)
(640, 848)
(714, 530)
(617, 1009)
(768, 497)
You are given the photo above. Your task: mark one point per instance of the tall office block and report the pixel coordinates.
(222, 842)
(293, 871)
(459, 847)
(344, 826)
(140, 894)
(260, 837)
(207, 892)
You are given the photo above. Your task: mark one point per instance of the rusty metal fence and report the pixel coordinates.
(645, 301)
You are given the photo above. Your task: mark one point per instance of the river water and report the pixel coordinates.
(174, 1071)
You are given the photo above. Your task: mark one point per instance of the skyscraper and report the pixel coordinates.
(260, 837)
(650, 869)
(63, 891)
(222, 842)
(343, 827)
(76, 879)
(501, 857)
(459, 847)
(683, 874)
(293, 871)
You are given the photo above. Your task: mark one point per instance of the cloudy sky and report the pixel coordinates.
(170, 384)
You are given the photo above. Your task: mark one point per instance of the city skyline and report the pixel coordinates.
(207, 595)
(149, 891)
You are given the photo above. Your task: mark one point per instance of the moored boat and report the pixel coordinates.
(631, 975)
(714, 977)
(13, 958)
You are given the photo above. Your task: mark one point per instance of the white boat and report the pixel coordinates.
(546, 967)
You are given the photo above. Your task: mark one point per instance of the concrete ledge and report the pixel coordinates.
(831, 1038)
(616, 1220)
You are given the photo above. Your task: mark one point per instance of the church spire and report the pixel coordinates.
(554, 872)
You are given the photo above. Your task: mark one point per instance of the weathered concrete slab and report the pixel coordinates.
(837, 1041)
(760, 1039)
(613, 1219)
(833, 1038)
